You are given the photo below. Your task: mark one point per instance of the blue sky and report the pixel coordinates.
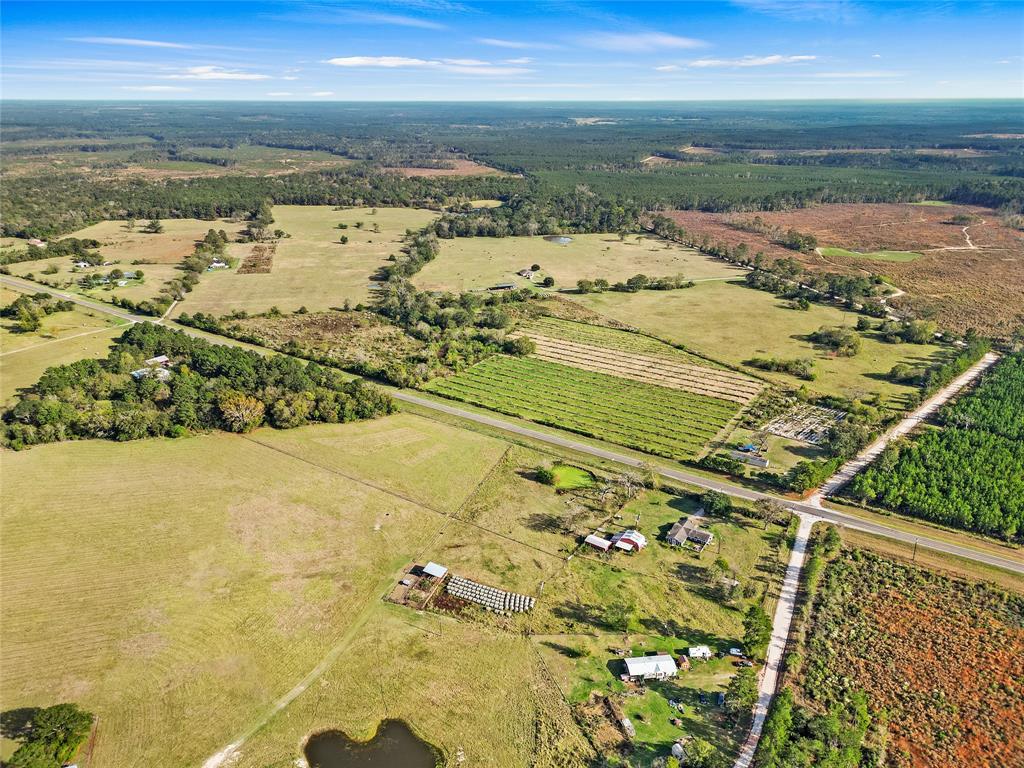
(441, 50)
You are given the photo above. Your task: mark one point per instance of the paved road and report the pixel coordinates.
(922, 412)
(681, 476)
(777, 647)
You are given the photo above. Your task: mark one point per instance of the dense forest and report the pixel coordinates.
(160, 382)
(970, 472)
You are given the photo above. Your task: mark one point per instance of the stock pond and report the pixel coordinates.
(393, 745)
(558, 239)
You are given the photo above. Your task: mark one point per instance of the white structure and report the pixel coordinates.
(597, 542)
(435, 570)
(651, 667)
(161, 360)
(629, 540)
(700, 652)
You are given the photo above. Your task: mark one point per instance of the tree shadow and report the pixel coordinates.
(565, 650)
(544, 522)
(16, 723)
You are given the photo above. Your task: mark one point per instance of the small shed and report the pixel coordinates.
(753, 459)
(700, 652)
(597, 542)
(627, 727)
(502, 287)
(434, 570)
(527, 273)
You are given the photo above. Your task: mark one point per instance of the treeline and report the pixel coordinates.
(633, 284)
(28, 311)
(970, 473)
(203, 386)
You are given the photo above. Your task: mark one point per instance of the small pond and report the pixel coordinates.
(394, 746)
(558, 239)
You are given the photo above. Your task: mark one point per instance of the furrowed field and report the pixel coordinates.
(659, 420)
(311, 268)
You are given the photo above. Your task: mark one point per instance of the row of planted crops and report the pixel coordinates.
(654, 419)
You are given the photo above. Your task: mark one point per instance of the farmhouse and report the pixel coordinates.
(597, 542)
(689, 531)
(650, 668)
(629, 540)
(700, 652)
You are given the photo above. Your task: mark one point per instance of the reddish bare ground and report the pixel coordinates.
(962, 287)
(461, 168)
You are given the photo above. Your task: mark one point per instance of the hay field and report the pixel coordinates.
(199, 580)
(311, 268)
(734, 323)
(467, 263)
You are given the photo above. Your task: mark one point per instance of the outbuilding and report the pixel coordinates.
(434, 570)
(629, 540)
(700, 652)
(651, 667)
(597, 542)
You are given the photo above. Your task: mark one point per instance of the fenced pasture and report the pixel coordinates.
(311, 268)
(655, 419)
(468, 263)
(712, 382)
(245, 562)
(733, 323)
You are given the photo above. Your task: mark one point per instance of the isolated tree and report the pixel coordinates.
(130, 225)
(52, 737)
(153, 227)
(544, 475)
(716, 503)
(548, 281)
(28, 319)
(343, 239)
(741, 694)
(769, 510)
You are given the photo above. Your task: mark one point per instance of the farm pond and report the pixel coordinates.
(394, 744)
(558, 239)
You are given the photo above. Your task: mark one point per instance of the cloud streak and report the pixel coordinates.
(215, 73)
(517, 44)
(130, 41)
(458, 66)
(751, 61)
(638, 42)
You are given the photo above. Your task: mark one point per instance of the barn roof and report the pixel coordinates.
(651, 665)
(435, 570)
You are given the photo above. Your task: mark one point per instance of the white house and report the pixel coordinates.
(651, 667)
(700, 652)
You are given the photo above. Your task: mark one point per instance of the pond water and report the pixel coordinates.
(394, 746)
(559, 239)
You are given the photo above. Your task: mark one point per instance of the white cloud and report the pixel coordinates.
(876, 55)
(638, 42)
(806, 10)
(867, 74)
(128, 41)
(751, 61)
(216, 73)
(458, 66)
(668, 68)
(279, 93)
(155, 88)
(519, 60)
(289, 77)
(395, 19)
(522, 44)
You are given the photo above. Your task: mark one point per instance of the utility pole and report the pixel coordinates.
(914, 559)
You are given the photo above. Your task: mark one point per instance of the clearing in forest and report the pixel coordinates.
(311, 267)
(467, 263)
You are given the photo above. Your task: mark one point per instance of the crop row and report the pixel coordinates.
(611, 338)
(649, 418)
(661, 372)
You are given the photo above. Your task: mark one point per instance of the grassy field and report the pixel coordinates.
(228, 587)
(663, 421)
(735, 323)
(23, 367)
(59, 325)
(875, 255)
(467, 263)
(311, 268)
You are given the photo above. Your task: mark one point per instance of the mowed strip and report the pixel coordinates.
(654, 419)
(722, 384)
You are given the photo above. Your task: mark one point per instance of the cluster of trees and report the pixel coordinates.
(422, 248)
(841, 340)
(791, 238)
(970, 473)
(209, 387)
(49, 737)
(258, 228)
(634, 284)
(28, 311)
(801, 367)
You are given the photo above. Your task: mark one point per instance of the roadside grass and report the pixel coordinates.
(469, 263)
(198, 579)
(875, 255)
(24, 368)
(733, 323)
(311, 268)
